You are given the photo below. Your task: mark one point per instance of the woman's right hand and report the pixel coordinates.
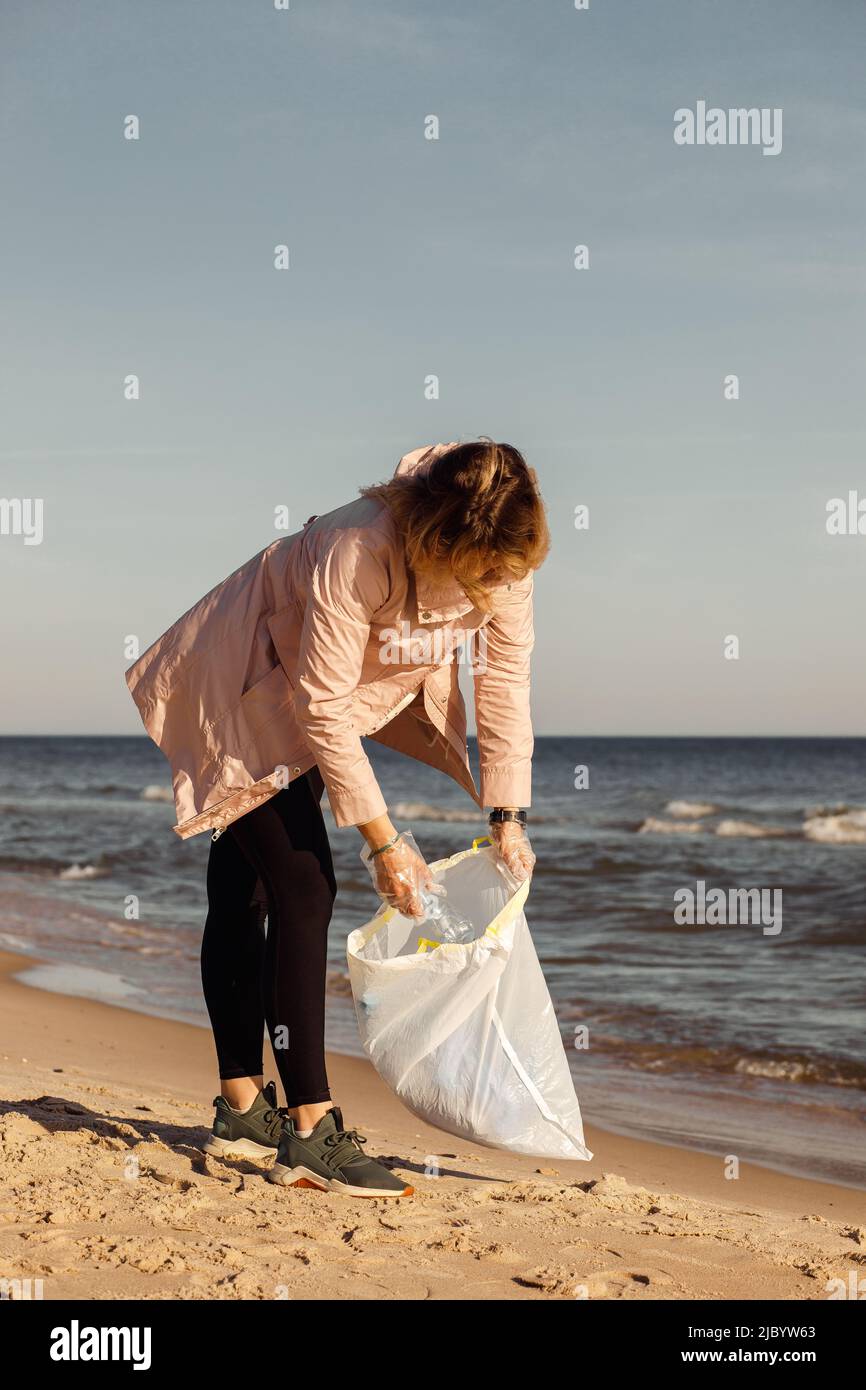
(400, 874)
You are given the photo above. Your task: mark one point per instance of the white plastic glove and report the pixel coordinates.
(515, 851)
(400, 875)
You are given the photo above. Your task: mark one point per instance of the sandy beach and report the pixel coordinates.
(106, 1195)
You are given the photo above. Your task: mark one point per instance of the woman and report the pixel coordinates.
(259, 697)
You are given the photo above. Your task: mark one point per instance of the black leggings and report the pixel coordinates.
(275, 860)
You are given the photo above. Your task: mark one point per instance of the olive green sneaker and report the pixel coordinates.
(331, 1160)
(253, 1133)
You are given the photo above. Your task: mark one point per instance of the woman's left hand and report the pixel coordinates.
(514, 849)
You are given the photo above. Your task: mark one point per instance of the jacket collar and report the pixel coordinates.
(438, 603)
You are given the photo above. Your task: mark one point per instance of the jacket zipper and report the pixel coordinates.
(222, 823)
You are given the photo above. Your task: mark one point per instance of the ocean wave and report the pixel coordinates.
(14, 943)
(79, 871)
(157, 792)
(848, 828)
(690, 810)
(43, 868)
(422, 810)
(829, 829)
(129, 929)
(795, 1069)
(654, 826)
(685, 1058)
(138, 949)
(81, 791)
(54, 868)
(140, 939)
(747, 830)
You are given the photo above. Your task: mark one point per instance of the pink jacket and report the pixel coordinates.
(322, 639)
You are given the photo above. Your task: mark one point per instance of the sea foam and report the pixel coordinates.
(846, 829)
(157, 793)
(689, 810)
(747, 830)
(654, 826)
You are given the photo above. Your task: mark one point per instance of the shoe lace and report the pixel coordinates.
(274, 1118)
(343, 1144)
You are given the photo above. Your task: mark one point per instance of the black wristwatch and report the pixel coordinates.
(498, 816)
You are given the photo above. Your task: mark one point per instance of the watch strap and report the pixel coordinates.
(498, 816)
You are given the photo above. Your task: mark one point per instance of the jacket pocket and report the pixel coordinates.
(285, 628)
(265, 702)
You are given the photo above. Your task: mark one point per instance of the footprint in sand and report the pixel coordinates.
(604, 1284)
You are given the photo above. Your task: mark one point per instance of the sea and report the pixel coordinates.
(741, 1038)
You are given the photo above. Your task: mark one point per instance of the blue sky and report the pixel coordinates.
(452, 257)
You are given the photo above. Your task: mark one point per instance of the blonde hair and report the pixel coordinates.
(475, 509)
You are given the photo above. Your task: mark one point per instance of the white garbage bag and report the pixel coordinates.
(466, 1035)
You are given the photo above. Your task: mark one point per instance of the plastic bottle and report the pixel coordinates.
(442, 921)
